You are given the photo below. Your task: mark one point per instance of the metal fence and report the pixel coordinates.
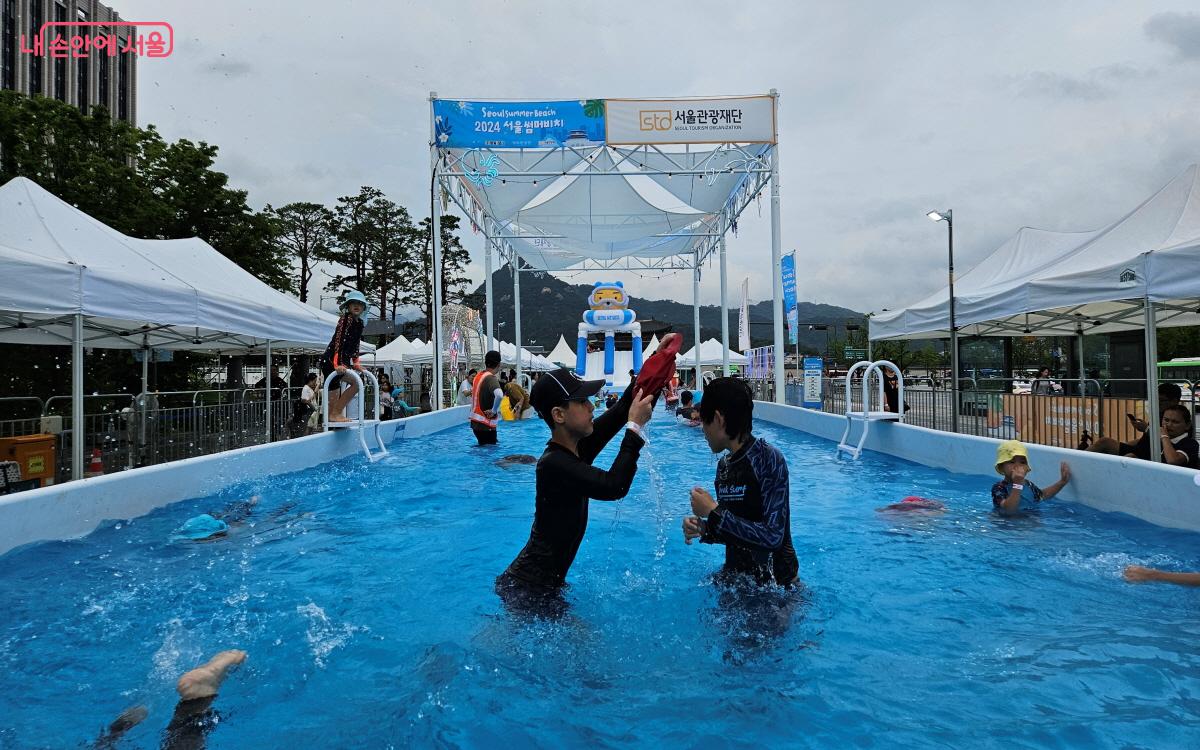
(1064, 413)
(133, 430)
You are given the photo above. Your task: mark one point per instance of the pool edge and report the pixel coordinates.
(75, 509)
(1166, 496)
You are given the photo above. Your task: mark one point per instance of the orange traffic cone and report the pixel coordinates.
(96, 467)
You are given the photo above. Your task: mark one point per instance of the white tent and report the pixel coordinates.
(393, 352)
(71, 280)
(711, 354)
(563, 353)
(1054, 283)
(650, 349)
(166, 294)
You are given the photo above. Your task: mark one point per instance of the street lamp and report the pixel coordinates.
(948, 217)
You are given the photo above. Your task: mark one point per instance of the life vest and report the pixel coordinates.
(477, 414)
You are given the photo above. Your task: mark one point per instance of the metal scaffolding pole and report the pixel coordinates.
(696, 317)
(435, 231)
(777, 266)
(516, 266)
(489, 304)
(724, 312)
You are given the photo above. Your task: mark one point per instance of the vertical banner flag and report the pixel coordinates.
(744, 317)
(813, 367)
(788, 269)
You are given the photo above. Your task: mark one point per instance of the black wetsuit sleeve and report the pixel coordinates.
(593, 482)
(606, 426)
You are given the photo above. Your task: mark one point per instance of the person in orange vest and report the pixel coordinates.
(485, 400)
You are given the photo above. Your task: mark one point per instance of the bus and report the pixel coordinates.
(1182, 370)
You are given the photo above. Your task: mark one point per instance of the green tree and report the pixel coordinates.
(395, 257)
(303, 232)
(355, 239)
(454, 263)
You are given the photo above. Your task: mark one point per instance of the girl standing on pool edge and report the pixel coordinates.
(342, 353)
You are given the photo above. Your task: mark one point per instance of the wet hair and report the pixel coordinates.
(731, 397)
(491, 359)
(473, 372)
(1170, 391)
(1183, 412)
(309, 377)
(685, 398)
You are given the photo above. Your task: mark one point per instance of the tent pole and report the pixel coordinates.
(146, 354)
(435, 230)
(1082, 372)
(724, 311)
(516, 266)
(955, 405)
(1152, 416)
(77, 398)
(777, 265)
(490, 308)
(696, 316)
(267, 377)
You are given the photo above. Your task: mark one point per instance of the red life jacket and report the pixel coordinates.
(477, 414)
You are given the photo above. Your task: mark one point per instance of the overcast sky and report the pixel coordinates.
(1059, 115)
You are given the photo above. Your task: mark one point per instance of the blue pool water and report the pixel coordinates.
(363, 594)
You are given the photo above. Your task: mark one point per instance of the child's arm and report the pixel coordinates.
(1136, 573)
(606, 426)
(594, 482)
(1064, 476)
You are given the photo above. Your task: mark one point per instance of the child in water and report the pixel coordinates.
(1012, 461)
(342, 353)
(751, 514)
(566, 480)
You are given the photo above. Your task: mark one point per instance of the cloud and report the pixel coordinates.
(230, 68)
(1099, 83)
(1178, 30)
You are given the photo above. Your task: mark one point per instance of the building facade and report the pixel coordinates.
(93, 79)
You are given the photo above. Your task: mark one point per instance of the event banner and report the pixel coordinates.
(463, 124)
(788, 269)
(748, 119)
(814, 367)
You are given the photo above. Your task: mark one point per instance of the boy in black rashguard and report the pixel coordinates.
(751, 514)
(566, 480)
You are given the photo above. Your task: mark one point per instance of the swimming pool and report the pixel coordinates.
(363, 594)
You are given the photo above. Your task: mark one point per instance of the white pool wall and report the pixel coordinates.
(75, 509)
(1164, 495)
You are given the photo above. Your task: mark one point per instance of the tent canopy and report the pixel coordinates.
(560, 208)
(393, 352)
(562, 353)
(1046, 283)
(168, 294)
(711, 354)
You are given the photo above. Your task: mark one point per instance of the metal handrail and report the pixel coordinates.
(41, 404)
(86, 396)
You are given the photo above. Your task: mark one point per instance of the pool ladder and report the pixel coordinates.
(867, 415)
(362, 423)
